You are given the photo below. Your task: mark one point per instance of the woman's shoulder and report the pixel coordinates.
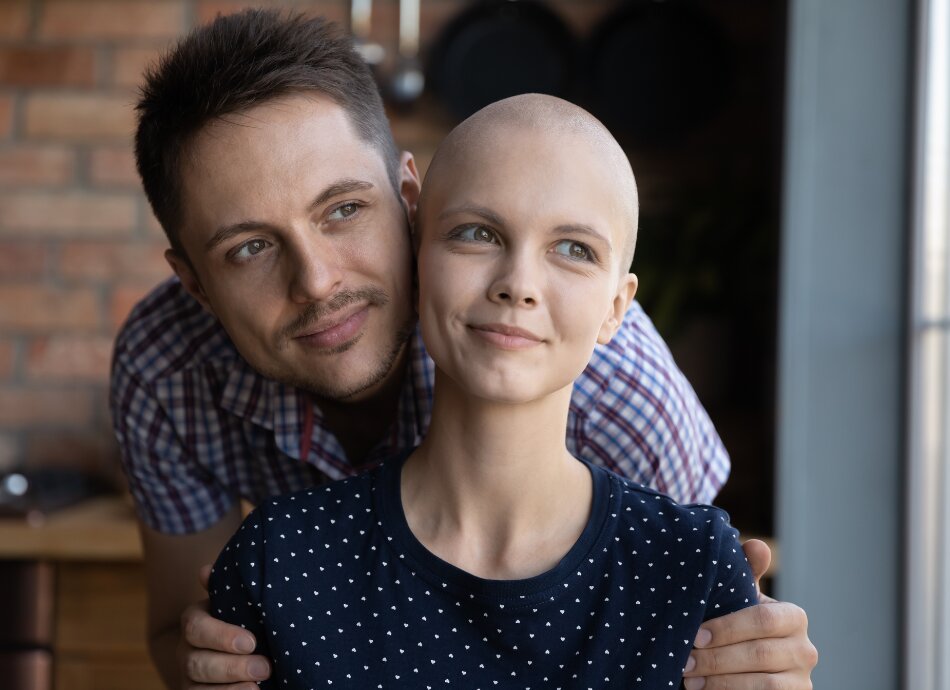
(653, 511)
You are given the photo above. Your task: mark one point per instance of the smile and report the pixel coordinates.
(333, 334)
(507, 337)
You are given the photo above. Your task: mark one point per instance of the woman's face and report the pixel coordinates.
(519, 264)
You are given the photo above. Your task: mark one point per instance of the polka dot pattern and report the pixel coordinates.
(340, 594)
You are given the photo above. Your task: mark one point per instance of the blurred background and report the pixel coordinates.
(792, 161)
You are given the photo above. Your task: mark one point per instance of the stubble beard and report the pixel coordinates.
(326, 387)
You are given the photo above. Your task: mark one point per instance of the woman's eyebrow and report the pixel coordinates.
(582, 229)
(474, 209)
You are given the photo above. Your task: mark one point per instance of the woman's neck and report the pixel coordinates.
(493, 489)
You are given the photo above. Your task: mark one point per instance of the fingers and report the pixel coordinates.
(202, 666)
(201, 630)
(779, 619)
(750, 681)
(755, 656)
(759, 556)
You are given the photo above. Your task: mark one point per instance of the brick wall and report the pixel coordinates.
(78, 243)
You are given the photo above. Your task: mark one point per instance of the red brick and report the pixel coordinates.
(25, 407)
(112, 19)
(22, 260)
(79, 117)
(92, 451)
(114, 167)
(128, 64)
(69, 358)
(43, 309)
(6, 116)
(14, 18)
(7, 355)
(107, 261)
(36, 165)
(74, 214)
(124, 298)
(47, 66)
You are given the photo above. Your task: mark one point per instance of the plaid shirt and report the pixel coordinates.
(199, 428)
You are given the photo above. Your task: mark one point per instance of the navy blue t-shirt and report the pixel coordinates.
(340, 593)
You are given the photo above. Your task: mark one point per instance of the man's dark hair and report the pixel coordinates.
(234, 63)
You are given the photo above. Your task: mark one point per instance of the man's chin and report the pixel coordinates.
(347, 381)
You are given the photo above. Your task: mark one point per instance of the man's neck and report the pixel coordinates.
(358, 425)
(493, 489)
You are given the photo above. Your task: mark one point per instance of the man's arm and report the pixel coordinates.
(188, 646)
(759, 648)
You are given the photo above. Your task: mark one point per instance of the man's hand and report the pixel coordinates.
(764, 647)
(213, 652)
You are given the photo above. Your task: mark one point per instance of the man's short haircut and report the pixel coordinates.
(236, 62)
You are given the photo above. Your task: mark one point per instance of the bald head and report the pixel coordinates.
(555, 121)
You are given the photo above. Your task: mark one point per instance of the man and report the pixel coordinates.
(285, 353)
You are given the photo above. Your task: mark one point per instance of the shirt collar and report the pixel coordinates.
(279, 408)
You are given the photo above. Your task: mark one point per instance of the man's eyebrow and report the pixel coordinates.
(226, 232)
(344, 186)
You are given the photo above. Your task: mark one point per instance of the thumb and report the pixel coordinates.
(759, 555)
(205, 573)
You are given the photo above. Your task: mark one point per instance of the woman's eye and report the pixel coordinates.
(477, 233)
(343, 212)
(249, 249)
(574, 250)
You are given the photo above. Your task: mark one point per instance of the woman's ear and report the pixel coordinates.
(626, 289)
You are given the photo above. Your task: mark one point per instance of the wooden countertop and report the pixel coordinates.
(99, 529)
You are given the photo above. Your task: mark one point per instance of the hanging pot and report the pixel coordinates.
(500, 48)
(655, 70)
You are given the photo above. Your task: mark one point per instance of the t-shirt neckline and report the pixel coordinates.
(562, 579)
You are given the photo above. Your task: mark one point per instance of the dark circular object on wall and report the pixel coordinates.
(500, 48)
(657, 69)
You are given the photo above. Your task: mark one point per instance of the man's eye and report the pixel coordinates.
(343, 212)
(476, 233)
(249, 249)
(574, 250)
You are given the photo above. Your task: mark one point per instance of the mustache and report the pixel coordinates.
(317, 311)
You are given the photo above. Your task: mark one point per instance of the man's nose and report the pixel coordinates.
(315, 273)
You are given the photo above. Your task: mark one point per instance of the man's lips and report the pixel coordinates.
(505, 336)
(334, 332)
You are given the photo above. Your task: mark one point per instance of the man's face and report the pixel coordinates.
(299, 245)
(519, 264)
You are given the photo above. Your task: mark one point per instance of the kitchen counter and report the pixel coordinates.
(98, 529)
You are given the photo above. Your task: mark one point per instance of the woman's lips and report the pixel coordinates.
(507, 337)
(336, 334)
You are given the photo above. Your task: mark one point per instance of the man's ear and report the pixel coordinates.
(409, 185)
(626, 289)
(189, 279)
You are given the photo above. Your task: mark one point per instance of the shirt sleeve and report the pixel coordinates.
(236, 582)
(173, 493)
(635, 413)
(732, 586)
